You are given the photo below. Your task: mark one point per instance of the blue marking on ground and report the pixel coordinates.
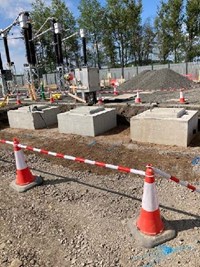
(159, 253)
(196, 161)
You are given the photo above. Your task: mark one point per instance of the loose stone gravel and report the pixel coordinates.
(79, 218)
(157, 80)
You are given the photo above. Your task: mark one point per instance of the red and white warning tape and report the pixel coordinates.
(81, 160)
(176, 180)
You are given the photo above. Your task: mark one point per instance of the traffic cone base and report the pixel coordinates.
(24, 177)
(152, 222)
(150, 241)
(37, 180)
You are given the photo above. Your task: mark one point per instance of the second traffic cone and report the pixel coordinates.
(182, 99)
(18, 102)
(137, 99)
(115, 85)
(24, 178)
(51, 98)
(149, 221)
(100, 100)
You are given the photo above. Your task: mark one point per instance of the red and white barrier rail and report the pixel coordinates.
(176, 180)
(105, 165)
(81, 160)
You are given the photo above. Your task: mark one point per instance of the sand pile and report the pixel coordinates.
(157, 80)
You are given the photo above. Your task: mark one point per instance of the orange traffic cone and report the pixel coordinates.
(138, 99)
(51, 99)
(24, 178)
(18, 102)
(149, 221)
(182, 99)
(100, 100)
(149, 229)
(115, 92)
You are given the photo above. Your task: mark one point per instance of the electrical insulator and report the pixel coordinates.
(57, 28)
(82, 33)
(23, 20)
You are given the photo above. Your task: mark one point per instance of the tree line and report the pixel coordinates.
(116, 34)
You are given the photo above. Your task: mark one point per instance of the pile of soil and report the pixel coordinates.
(157, 80)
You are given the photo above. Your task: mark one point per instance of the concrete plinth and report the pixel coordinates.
(33, 117)
(87, 121)
(167, 126)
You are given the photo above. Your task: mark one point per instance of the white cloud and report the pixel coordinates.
(10, 9)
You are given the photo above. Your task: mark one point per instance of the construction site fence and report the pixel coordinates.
(189, 69)
(119, 168)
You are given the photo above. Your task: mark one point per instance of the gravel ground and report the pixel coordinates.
(79, 216)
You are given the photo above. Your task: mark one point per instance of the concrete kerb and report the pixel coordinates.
(149, 241)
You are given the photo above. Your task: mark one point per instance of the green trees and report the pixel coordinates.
(168, 25)
(192, 37)
(178, 30)
(44, 44)
(117, 36)
(91, 19)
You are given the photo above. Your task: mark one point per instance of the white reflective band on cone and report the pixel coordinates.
(20, 160)
(149, 199)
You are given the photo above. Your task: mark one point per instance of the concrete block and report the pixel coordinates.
(87, 121)
(33, 117)
(167, 126)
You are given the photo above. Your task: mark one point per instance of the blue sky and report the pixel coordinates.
(9, 10)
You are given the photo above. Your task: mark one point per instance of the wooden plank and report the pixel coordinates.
(77, 98)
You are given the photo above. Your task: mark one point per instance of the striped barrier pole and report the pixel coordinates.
(77, 159)
(105, 165)
(176, 180)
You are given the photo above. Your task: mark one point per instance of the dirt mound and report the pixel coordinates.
(157, 80)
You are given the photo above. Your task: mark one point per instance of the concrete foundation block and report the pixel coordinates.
(33, 117)
(87, 121)
(167, 126)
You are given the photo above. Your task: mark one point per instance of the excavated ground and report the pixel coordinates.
(79, 216)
